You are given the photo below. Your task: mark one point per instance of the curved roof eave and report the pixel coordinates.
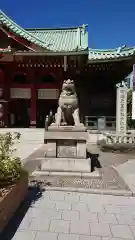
(110, 54)
(4, 19)
(49, 43)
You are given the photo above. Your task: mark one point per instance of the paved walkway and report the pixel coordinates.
(31, 139)
(68, 216)
(76, 216)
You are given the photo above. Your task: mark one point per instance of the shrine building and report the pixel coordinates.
(34, 63)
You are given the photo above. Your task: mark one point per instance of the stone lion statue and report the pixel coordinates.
(67, 112)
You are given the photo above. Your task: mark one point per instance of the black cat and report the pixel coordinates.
(95, 163)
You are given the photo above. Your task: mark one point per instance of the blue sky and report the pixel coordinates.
(111, 23)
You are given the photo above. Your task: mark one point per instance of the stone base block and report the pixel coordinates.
(81, 149)
(68, 148)
(51, 149)
(70, 144)
(66, 165)
(55, 128)
(60, 135)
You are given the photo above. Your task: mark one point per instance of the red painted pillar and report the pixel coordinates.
(33, 110)
(7, 98)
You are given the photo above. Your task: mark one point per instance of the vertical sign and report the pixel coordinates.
(121, 110)
(133, 94)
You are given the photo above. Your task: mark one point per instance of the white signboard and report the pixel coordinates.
(121, 110)
(48, 93)
(20, 93)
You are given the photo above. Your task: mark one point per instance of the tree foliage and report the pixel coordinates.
(130, 122)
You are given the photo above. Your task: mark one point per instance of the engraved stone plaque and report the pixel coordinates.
(67, 148)
(121, 111)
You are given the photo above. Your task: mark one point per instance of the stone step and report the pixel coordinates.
(61, 159)
(65, 165)
(41, 175)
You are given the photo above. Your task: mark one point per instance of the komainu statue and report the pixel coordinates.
(68, 111)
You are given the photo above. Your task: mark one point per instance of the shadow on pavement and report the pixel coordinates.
(34, 193)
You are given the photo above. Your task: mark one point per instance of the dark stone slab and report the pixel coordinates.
(67, 148)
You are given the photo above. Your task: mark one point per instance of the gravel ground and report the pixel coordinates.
(109, 179)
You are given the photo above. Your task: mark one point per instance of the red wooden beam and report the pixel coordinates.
(21, 41)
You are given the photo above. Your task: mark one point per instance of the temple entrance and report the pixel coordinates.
(19, 113)
(43, 108)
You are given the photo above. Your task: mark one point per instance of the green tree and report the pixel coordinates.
(130, 122)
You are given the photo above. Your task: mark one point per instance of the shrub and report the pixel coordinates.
(130, 122)
(10, 166)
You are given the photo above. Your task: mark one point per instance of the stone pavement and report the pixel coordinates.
(31, 139)
(68, 215)
(76, 216)
(127, 173)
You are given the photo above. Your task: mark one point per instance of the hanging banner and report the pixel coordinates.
(20, 93)
(48, 93)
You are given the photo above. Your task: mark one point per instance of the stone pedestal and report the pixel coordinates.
(66, 149)
(66, 165)
(66, 142)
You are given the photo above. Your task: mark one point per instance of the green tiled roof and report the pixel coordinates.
(110, 54)
(57, 40)
(63, 39)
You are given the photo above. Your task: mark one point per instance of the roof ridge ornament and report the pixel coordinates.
(120, 48)
(84, 25)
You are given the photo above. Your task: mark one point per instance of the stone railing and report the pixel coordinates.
(91, 122)
(117, 138)
(117, 142)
